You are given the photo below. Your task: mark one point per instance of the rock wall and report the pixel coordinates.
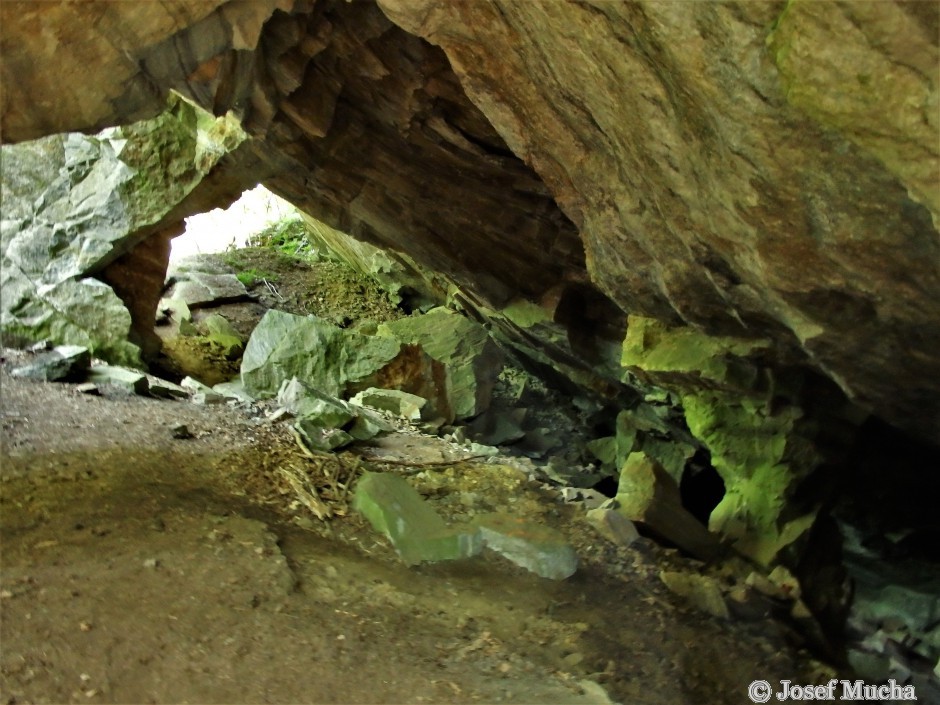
(756, 169)
(749, 169)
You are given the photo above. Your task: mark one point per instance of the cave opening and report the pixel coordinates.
(219, 229)
(701, 487)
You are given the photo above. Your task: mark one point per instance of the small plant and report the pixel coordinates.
(288, 236)
(250, 277)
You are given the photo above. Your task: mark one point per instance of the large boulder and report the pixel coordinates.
(319, 354)
(73, 205)
(472, 361)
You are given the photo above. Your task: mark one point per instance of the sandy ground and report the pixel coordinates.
(141, 568)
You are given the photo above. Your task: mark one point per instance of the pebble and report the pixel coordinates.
(180, 431)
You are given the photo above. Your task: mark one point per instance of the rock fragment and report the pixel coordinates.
(61, 364)
(532, 546)
(418, 533)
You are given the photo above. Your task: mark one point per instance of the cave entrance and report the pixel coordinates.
(220, 229)
(701, 487)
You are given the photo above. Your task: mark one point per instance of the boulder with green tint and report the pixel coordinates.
(643, 429)
(472, 360)
(324, 422)
(73, 204)
(418, 533)
(762, 459)
(223, 334)
(739, 412)
(535, 547)
(82, 312)
(68, 363)
(648, 494)
(326, 357)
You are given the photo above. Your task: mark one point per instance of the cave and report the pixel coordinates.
(599, 362)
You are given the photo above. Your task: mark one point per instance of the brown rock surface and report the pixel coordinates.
(750, 169)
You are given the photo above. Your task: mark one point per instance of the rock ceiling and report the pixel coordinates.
(760, 170)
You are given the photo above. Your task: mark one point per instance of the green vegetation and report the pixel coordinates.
(250, 277)
(288, 236)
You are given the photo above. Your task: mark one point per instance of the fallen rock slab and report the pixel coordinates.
(532, 546)
(613, 526)
(403, 404)
(203, 290)
(324, 422)
(130, 380)
(648, 494)
(61, 364)
(418, 533)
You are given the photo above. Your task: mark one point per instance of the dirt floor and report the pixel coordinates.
(138, 567)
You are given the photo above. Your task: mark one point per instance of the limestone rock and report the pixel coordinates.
(701, 591)
(403, 404)
(316, 436)
(176, 313)
(781, 143)
(327, 358)
(90, 202)
(130, 381)
(417, 532)
(64, 363)
(646, 493)
(760, 445)
(535, 547)
(233, 390)
(774, 181)
(223, 334)
(162, 389)
(501, 427)
(201, 290)
(325, 422)
(304, 401)
(613, 526)
(471, 359)
(82, 312)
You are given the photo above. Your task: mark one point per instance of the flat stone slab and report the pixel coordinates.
(63, 363)
(131, 380)
(417, 532)
(613, 526)
(403, 404)
(162, 389)
(233, 389)
(202, 289)
(532, 546)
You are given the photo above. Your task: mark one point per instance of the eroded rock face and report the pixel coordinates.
(751, 169)
(87, 222)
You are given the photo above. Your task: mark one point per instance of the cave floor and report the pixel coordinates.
(140, 568)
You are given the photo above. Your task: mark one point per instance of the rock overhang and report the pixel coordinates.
(521, 147)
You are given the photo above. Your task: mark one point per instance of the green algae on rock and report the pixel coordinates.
(326, 357)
